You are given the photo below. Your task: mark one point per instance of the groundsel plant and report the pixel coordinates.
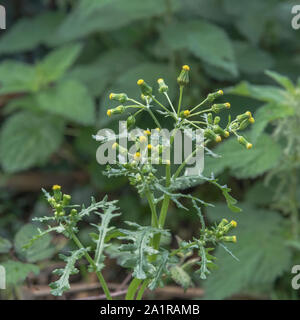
(140, 248)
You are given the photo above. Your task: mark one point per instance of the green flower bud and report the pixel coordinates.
(185, 113)
(222, 223)
(229, 239)
(244, 124)
(145, 88)
(121, 97)
(162, 86)
(66, 199)
(57, 192)
(209, 134)
(183, 78)
(212, 96)
(246, 115)
(219, 107)
(73, 212)
(218, 130)
(209, 118)
(130, 121)
(244, 142)
(217, 120)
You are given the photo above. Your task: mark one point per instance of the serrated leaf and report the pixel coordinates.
(62, 284)
(161, 269)
(17, 77)
(103, 229)
(69, 99)
(244, 163)
(205, 40)
(16, 271)
(106, 69)
(250, 59)
(5, 245)
(41, 249)
(57, 62)
(27, 140)
(27, 33)
(90, 16)
(262, 258)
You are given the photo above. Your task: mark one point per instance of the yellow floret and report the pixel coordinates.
(186, 67)
(137, 156)
(56, 187)
(160, 80)
(249, 146)
(114, 146)
(218, 139)
(227, 105)
(140, 82)
(251, 120)
(147, 132)
(186, 112)
(227, 134)
(108, 112)
(149, 146)
(111, 96)
(220, 92)
(233, 223)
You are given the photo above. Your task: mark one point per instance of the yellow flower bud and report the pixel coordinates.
(147, 132)
(218, 138)
(227, 105)
(149, 146)
(56, 187)
(140, 82)
(233, 223)
(249, 146)
(186, 67)
(137, 156)
(114, 146)
(108, 112)
(251, 120)
(186, 113)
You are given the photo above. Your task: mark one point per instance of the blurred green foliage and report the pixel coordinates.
(60, 59)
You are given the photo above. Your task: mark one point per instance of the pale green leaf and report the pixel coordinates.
(69, 99)
(41, 249)
(284, 81)
(206, 41)
(27, 140)
(244, 163)
(57, 62)
(5, 245)
(16, 271)
(90, 16)
(28, 33)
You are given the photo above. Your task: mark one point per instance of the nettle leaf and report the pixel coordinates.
(139, 248)
(262, 258)
(57, 62)
(205, 40)
(27, 33)
(41, 249)
(16, 272)
(103, 230)
(69, 99)
(5, 245)
(250, 59)
(17, 77)
(100, 73)
(245, 163)
(259, 92)
(27, 140)
(62, 284)
(90, 16)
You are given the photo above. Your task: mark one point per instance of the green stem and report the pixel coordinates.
(132, 289)
(199, 105)
(154, 219)
(92, 263)
(294, 204)
(142, 290)
(180, 99)
(154, 118)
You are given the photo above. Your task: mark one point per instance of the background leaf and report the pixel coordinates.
(28, 140)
